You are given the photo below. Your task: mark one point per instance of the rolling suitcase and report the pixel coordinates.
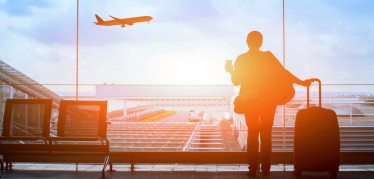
(317, 139)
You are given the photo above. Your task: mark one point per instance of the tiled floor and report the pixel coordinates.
(28, 170)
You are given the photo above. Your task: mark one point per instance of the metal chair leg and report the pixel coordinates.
(2, 164)
(8, 163)
(132, 167)
(110, 166)
(106, 160)
(2, 168)
(103, 174)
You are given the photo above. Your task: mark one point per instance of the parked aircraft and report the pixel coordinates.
(122, 22)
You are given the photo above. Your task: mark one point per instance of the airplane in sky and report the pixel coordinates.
(122, 22)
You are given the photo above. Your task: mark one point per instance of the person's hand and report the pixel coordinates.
(307, 82)
(228, 67)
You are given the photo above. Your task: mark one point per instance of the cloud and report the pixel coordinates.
(49, 22)
(184, 34)
(22, 7)
(330, 44)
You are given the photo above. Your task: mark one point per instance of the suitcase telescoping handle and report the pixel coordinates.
(319, 92)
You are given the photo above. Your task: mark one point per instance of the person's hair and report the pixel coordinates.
(254, 39)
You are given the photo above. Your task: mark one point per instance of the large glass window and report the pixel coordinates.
(165, 79)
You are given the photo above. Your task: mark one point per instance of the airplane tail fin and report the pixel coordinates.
(99, 20)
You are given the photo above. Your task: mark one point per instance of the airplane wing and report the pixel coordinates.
(115, 18)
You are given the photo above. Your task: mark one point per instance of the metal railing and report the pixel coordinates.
(356, 140)
(355, 112)
(12, 77)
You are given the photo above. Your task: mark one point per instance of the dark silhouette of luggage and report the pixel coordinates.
(317, 139)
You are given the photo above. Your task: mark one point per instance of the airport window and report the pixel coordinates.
(164, 78)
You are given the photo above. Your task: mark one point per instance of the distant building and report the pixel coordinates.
(176, 97)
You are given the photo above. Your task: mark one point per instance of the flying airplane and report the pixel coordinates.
(122, 22)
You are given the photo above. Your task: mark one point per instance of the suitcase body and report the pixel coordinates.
(317, 140)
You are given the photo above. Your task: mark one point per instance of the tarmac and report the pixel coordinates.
(175, 171)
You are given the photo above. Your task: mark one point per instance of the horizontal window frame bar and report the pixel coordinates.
(224, 157)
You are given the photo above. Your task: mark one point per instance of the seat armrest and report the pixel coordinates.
(22, 138)
(79, 139)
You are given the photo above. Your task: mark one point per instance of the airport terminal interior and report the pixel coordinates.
(145, 94)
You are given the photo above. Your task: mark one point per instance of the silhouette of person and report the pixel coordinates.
(259, 74)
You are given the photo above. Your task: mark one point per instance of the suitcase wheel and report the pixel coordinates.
(333, 175)
(297, 172)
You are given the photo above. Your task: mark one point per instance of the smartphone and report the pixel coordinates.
(229, 62)
(228, 66)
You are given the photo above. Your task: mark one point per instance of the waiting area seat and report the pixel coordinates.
(25, 130)
(81, 133)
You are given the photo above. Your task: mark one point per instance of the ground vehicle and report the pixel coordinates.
(195, 116)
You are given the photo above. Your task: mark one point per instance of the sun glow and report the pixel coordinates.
(189, 70)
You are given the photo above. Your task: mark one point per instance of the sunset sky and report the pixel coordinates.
(187, 42)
